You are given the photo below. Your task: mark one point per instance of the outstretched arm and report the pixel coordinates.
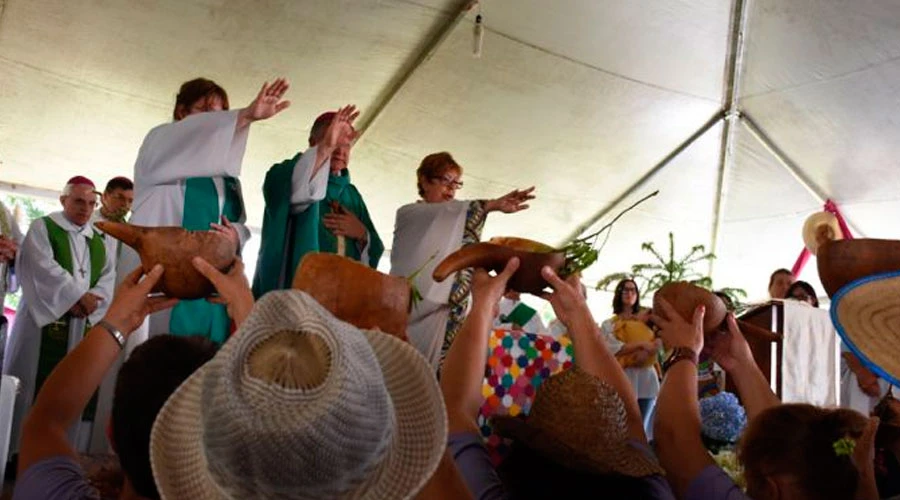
(70, 386)
(267, 104)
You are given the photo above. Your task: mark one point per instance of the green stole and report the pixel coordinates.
(55, 336)
(201, 208)
(308, 233)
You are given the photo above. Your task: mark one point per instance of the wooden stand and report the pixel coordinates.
(765, 341)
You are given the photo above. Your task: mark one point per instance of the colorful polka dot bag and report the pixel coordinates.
(517, 364)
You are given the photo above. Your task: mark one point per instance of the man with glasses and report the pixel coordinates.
(314, 208)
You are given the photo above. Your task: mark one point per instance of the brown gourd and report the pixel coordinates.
(843, 261)
(685, 297)
(174, 248)
(355, 293)
(493, 256)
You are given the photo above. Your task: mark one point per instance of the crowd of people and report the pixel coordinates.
(260, 392)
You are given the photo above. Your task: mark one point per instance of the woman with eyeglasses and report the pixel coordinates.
(427, 231)
(634, 345)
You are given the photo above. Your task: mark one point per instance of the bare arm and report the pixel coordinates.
(677, 426)
(463, 372)
(591, 352)
(70, 386)
(730, 350)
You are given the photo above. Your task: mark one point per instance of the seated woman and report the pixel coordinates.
(427, 231)
(788, 451)
(634, 345)
(571, 446)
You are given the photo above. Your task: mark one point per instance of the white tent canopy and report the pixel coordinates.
(771, 106)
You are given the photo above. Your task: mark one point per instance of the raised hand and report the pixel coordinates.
(567, 300)
(232, 288)
(729, 348)
(131, 303)
(511, 202)
(675, 331)
(340, 131)
(487, 289)
(268, 102)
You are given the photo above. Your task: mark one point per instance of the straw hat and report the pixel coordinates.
(866, 314)
(301, 405)
(579, 421)
(819, 228)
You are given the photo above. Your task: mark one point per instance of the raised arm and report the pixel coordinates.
(268, 103)
(463, 371)
(591, 351)
(730, 350)
(512, 202)
(677, 425)
(74, 380)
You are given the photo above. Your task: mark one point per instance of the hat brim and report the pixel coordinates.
(420, 436)
(866, 315)
(615, 458)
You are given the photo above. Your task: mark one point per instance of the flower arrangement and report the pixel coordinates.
(722, 418)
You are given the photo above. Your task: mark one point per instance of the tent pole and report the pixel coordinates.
(733, 72)
(785, 161)
(714, 119)
(404, 75)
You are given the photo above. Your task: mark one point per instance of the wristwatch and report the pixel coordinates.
(679, 354)
(114, 332)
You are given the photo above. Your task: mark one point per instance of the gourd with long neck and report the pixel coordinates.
(175, 248)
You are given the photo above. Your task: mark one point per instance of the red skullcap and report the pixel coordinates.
(80, 180)
(324, 118)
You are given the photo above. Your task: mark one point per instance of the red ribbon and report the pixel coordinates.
(832, 208)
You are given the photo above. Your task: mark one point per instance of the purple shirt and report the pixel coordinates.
(54, 478)
(714, 484)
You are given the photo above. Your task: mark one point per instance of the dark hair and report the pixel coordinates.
(776, 273)
(150, 375)
(528, 473)
(434, 166)
(806, 287)
(123, 183)
(729, 303)
(195, 90)
(618, 306)
(798, 440)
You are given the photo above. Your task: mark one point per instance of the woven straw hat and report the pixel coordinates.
(819, 228)
(866, 314)
(301, 405)
(579, 421)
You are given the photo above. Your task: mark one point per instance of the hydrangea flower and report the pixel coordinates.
(722, 417)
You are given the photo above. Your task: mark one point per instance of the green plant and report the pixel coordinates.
(651, 276)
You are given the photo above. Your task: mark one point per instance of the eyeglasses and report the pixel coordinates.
(448, 181)
(629, 289)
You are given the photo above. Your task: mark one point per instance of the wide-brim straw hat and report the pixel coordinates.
(820, 227)
(866, 314)
(298, 404)
(579, 422)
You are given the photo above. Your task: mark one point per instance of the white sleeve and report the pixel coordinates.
(106, 287)
(607, 329)
(48, 289)
(201, 145)
(305, 189)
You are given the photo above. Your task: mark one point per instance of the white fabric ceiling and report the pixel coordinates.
(580, 98)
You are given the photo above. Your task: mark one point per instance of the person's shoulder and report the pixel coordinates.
(55, 478)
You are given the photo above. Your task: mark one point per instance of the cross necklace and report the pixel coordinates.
(81, 259)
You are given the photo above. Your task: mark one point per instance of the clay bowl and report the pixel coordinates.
(843, 261)
(493, 256)
(175, 248)
(355, 293)
(686, 297)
